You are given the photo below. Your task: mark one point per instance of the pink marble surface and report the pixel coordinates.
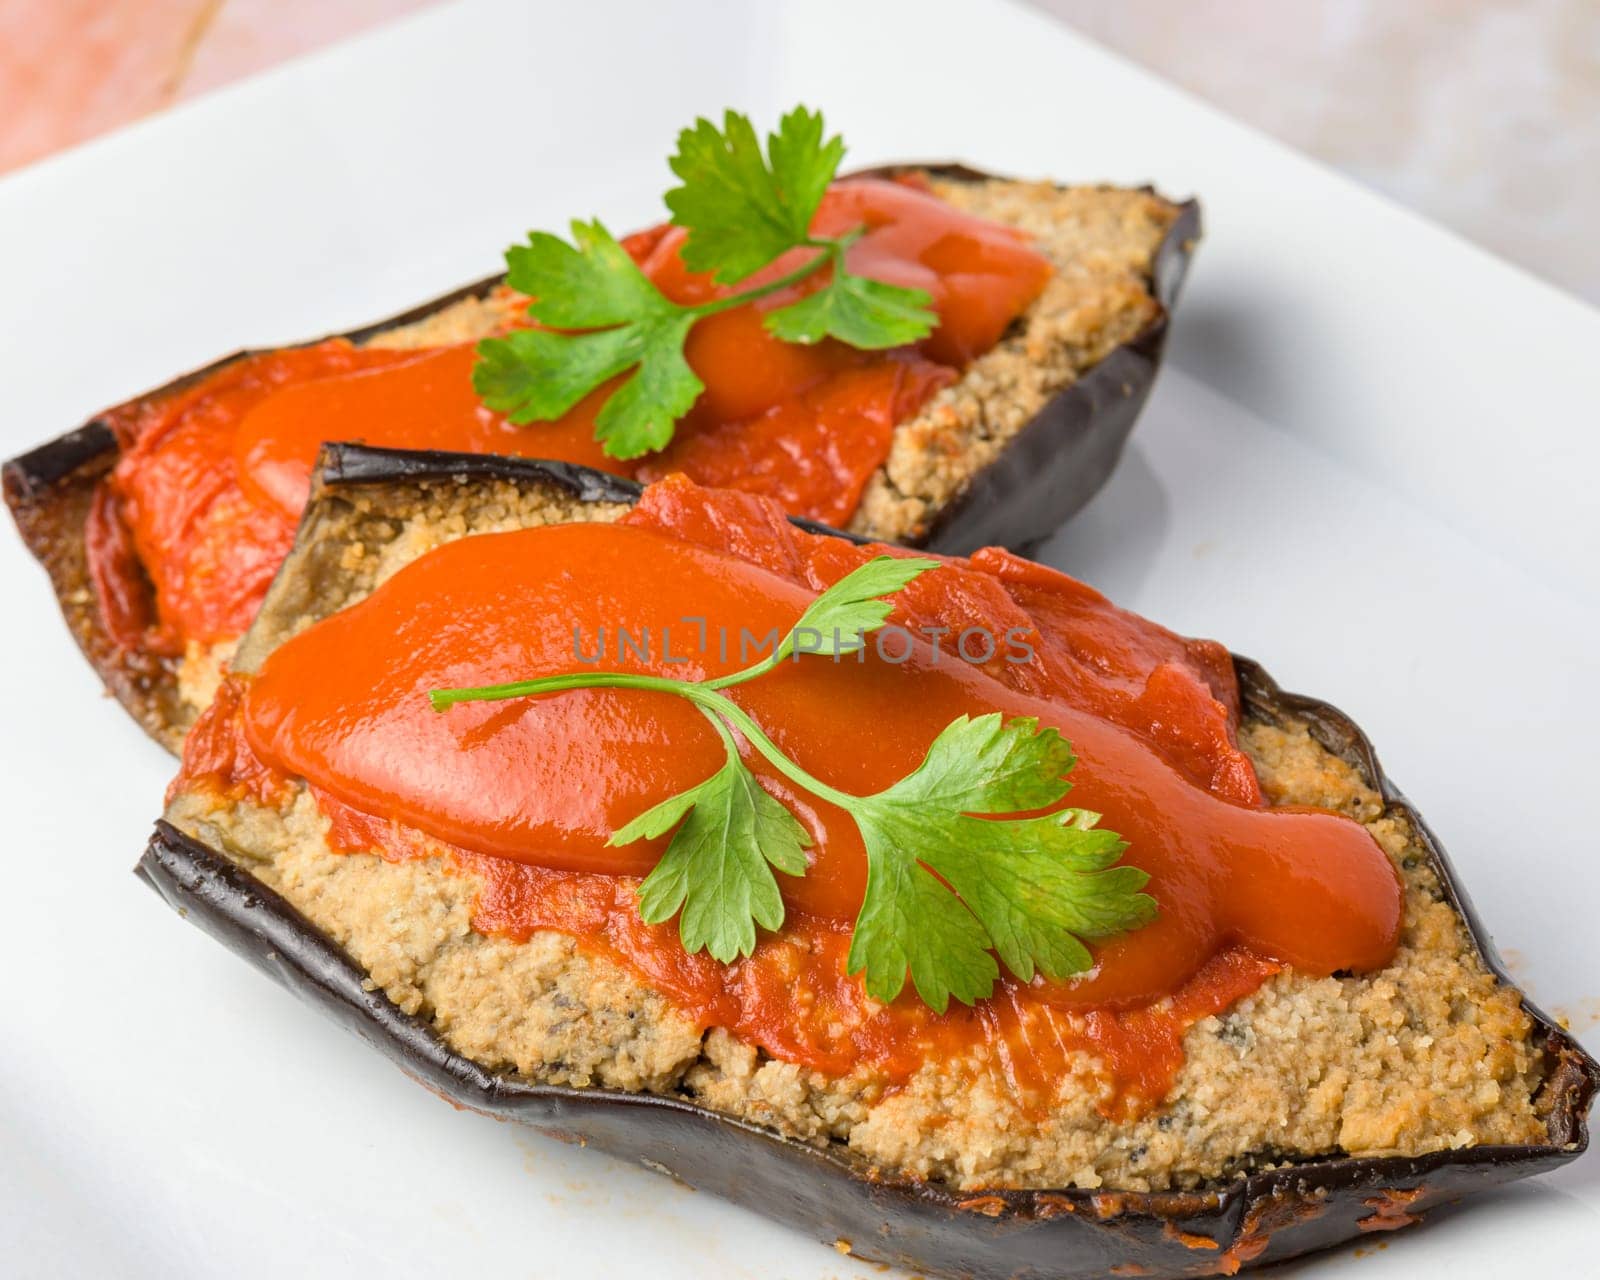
(1481, 114)
(71, 69)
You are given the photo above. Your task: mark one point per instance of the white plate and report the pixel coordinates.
(1371, 466)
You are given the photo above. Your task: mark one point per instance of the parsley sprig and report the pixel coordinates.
(954, 878)
(601, 316)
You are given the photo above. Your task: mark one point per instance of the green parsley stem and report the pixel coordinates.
(741, 720)
(722, 732)
(709, 700)
(444, 699)
(832, 252)
(784, 649)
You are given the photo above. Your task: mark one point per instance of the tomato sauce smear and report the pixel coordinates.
(201, 508)
(523, 794)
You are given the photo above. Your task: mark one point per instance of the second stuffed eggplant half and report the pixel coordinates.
(924, 354)
(933, 904)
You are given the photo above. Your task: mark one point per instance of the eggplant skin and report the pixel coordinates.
(830, 1194)
(1045, 474)
(49, 492)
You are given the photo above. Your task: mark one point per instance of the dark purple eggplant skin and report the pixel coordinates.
(1050, 469)
(1045, 474)
(1069, 1234)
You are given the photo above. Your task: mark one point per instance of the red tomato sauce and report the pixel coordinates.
(524, 793)
(200, 510)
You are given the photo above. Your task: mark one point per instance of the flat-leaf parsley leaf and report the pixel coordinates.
(963, 871)
(715, 870)
(599, 316)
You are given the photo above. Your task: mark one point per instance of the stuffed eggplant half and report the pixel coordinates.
(987, 413)
(934, 905)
